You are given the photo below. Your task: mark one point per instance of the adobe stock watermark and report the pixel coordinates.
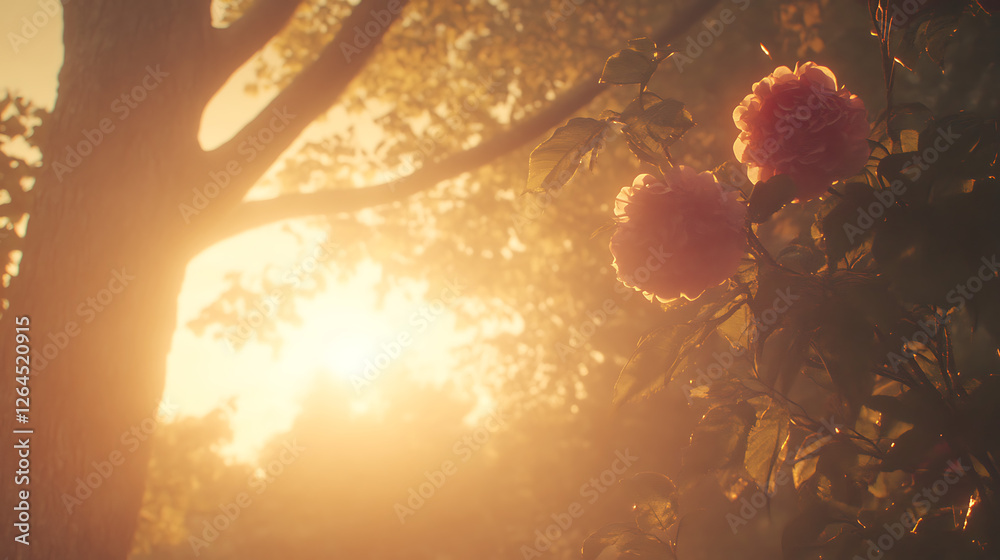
(922, 504)
(722, 361)
(749, 508)
(803, 113)
(962, 293)
(609, 307)
(592, 490)
(696, 44)
(965, 291)
(230, 511)
(87, 310)
(31, 25)
(122, 106)
(902, 12)
(928, 330)
(790, 122)
(428, 143)
(887, 197)
(379, 22)
(249, 148)
(267, 305)
(464, 449)
(418, 322)
(132, 439)
(565, 9)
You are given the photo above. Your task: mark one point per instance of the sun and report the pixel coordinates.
(336, 337)
(348, 350)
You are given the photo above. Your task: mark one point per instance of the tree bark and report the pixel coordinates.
(101, 271)
(106, 252)
(107, 249)
(328, 202)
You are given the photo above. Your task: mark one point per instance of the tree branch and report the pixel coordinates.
(254, 148)
(247, 35)
(249, 215)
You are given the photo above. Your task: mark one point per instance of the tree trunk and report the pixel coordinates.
(103, 263)
(107, 242)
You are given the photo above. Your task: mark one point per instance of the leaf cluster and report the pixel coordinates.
(835, 369)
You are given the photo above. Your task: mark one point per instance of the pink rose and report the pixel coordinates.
(677, 237)
(800, 124)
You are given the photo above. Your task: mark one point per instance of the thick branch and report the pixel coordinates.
(247, 35)
(249, 215)
(254, 148)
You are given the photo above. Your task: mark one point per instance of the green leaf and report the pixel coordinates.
(984, 410)
(908, 116)
(934, 35)
(803, 470)
(770, 196)
(731, 174)
(924, 252)
(736, 329)
(628, 66)
(893, 167)
(664, 120)
(654, 501)
(652, 125)
(782, 354)
(841, 223)
(627, 542)
(719, 438)
(910, 407)
(609, 535)
(654, 362)
(647, 548)
(645, 45)
(554, 162)
(909, 450)
(849, 352)
(969, 151)
(765, 441)
(801, 533)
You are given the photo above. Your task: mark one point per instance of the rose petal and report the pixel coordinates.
(798, 123)
(677, 236)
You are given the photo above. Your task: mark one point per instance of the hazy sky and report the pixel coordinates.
(342, 327)
(30, 68)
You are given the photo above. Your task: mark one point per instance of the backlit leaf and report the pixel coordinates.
(770, 196)
(654, 362)
(765, 442)
(720, 437)
(654, 500)
(553, 163)
(622, 540)
(628, 66)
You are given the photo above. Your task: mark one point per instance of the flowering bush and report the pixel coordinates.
(835, 370)
(799, 123)
(687, 219)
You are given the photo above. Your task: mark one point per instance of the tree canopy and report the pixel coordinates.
(454, 151)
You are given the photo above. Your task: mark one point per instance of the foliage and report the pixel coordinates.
(843, 372)
(428, 96)
(20, 130)
(340, 495)
(531, 261)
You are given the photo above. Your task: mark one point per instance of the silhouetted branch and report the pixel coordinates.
(249, 215)
(247, 35)
(309, 95)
